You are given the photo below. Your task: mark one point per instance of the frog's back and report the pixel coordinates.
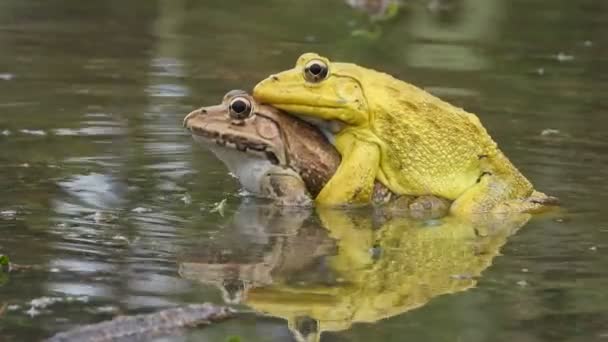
(430, 146)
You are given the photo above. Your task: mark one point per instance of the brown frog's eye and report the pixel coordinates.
(315, 71)
(240, 108)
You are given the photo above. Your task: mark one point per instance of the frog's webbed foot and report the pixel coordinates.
(285, 190)
(500, 195)
(537, 202)
(538, 197)
(420, 207)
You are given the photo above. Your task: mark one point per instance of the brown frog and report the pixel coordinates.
(278, 156)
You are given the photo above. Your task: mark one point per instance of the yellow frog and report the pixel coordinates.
(411, 141)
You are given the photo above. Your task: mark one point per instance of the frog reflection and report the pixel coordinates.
(261, 245)
(384, 265)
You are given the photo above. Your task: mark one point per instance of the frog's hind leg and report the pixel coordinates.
(481, 197)
(500, 188)
(537, 202)
(500, 194)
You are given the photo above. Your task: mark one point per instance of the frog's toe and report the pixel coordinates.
(538, 197)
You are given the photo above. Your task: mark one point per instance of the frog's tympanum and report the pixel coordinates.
(353, 269)
(278, 156)
(408, 139)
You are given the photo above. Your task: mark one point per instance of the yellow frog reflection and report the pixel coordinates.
(383, 266)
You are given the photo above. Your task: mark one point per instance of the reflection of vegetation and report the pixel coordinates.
(377, 13)
(382, 266)
(5, 267)
(5, 264)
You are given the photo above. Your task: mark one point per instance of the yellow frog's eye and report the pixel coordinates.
(316, 71)
(240, 108)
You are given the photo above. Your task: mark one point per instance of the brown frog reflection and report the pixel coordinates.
(262, 245)
(358, 267)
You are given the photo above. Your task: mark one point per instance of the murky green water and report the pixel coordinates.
(108, 200)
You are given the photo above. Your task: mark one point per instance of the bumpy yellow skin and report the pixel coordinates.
(410, 140)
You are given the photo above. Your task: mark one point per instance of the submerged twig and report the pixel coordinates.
(143, 326)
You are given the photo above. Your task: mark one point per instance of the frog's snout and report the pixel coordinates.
(193, 114)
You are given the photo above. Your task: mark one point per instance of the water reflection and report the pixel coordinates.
(445, 33)
(352, 267)
(101, 187)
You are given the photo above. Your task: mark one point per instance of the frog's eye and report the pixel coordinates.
(315, 71)
(240, 108)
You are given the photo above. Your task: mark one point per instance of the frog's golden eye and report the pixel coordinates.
(315, 71)
(240, 108)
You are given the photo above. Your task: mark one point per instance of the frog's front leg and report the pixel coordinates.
(285, 189)
(353, 182)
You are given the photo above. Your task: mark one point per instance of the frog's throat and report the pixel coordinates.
(249, 169)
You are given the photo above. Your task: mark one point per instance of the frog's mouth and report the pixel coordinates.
(238, 141)
(256, 147)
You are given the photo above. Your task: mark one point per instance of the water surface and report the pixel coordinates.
(109, 201)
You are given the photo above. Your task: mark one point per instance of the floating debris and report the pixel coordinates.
(554, 134)
(219, 207)
(588, 43)
(187, 199)
(38, 304)
(33, 312)
(593, 248)
(8, 214)
(540, 71)
(550, 132)
(106, 309)
(6, 132)
(33, 132)
(562, 57)
(120, 238)
(125, 239)
(44, 302)
(6, 76)
(525, 270)
(145, 326)
(103, 217)
(310, 39)
(522, 283)
(141, 210)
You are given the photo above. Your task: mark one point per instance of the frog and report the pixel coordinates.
(281, 157)
(399, 134)
(254, 143)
